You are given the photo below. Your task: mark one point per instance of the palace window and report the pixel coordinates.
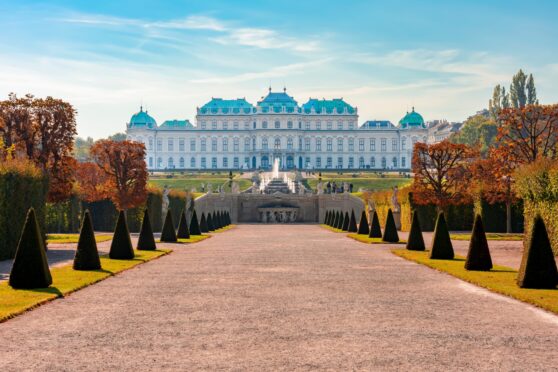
(329, 125)
(213, 125)
(214, 144)
(203, 163)
(203, 125)
(159, 162)
(277, 143)
(246, 125)
(235, 162)
(351, 162)
(170, 144)
(264, 143)
(329, 162)
(372, 144)
(193, 144)
(235, 145)
(202, 145)
(351, 125)
(290, 124)
(225, 144)
(351, 144)
(307, 125)
(340, 162)
(181, 163)
(193, 162)
(361, 162)
(318, 144)
(300, 143)
(340, 125)
(159, 144)
(329, 144)
(340, 144)
(394, 161)
(264, 124)
(225, 125)
(150, 145)
(403, 143)
(383, 144)
(372, 162)
(277, 124)
(170, 163)
(289, 143)
(225, 162)
(318, 125)
(394, 144)
(361, 144)
(181, 144)
(307, 144)
(246, 144)
(214, 162)
(235, 125)
(246, 161)
(384, 162)
(318, 162)
(253, 143)
(150, 162)
(403, 162)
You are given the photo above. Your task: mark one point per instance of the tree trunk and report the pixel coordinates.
(508, 217)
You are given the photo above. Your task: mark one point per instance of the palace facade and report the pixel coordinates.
(319, 134)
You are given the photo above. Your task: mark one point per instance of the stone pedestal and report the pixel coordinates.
(397, 219)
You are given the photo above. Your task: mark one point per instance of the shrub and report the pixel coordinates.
(478, 257)
(326, 222)
(338, 224)
(375, 230)
(390, 231)
(210, 225)
(183, 231)
(352, 223)
(538, 268)
(345, 225)
(216, 221)
(87, 256)
(363, 228)
(30, 268)
(441, 249)
(194, 225)
(203, 224)
(121, 246)
(168, 234)
(146, 240)
(415, 241)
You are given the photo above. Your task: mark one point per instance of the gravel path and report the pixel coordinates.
(297, 297)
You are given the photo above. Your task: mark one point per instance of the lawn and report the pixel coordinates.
(366, 183)
(489, 236)
(192, 239)
(500, 279)
(65, 280)
(367, 240)
(185, 182)
(73, 238)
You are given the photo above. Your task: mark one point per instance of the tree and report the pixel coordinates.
(441, 249)
(442, 173)
(121, 246)
(183, 231)
(477, 131)
(82, 147)
(194, 225)
(478, 256)
(390, 230)
(124, 164)
(87, 256)
(495, 104)
(146, 240)
(352, 228)
(118, 137)
(91, 182)
(363, 228)
(30, 268)
(415, 241)
(203, 224)
(345, 225)
(375, 230)
(168, 234)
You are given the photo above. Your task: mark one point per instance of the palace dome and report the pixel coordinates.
(412, 120)
(142, 119)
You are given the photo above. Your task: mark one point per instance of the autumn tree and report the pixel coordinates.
(91, 182)
(124, 165)
(442, 173)
(478, 131)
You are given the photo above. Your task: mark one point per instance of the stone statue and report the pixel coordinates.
(371, 207)
(394, 201)
(320, 188)
(165, 201)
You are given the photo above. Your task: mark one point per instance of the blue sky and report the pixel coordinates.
(106, 57)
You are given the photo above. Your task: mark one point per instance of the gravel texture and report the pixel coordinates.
(272, 297)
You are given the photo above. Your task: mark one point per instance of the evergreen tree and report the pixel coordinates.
(352, 223)
(531, 91)
(121, 247)
(518, 96)
(168, 234)
(194, 225)
(210, 225)
(415, 241)
(30, 268)
(375, 230)
(478, 257)
(390, 231)
(203, 224)
(146, 240)
(363, 228)
(183, 231)
(505, 99)
(87, 256)
(495, 104)
(441, 249)
(345, 225)
(538, 268)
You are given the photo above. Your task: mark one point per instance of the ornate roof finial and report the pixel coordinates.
(284, 89)
(413, 108)
(270, 89)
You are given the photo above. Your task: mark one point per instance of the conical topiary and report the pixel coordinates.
(229, 221)
(341, 220)
(183, 231)
(375, 229)
(217, 217)
(214, 221)
(336, 220)
(441, 249)
(363, 228)
(30, 268)
(352, 223)
(203, 224)
(121, 246)
(330, 218)
(194, 225)
(415, 242)
(326, 218)
(346, 219)
(87, 256)
(478, 257)
(538, 268)
(168, 234)
(390, 230)
(146, 240)
(224, 217)
(210, 225)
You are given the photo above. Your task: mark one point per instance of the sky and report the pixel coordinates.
(384, 57)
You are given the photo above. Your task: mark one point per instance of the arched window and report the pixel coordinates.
(181, 162)
(264, 124)
(361, 162)
(394, 161)
(277, 124)
(277, 143)
(372, 162)
(246, 144)
(264, 143)
(289, 143)
(170, 163)
(384, 162)
(340, 144)
(192, 162)
(159, 162)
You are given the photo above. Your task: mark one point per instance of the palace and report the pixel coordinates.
(319, 134)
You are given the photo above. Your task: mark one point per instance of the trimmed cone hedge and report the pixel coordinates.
(345, 224)
(415, 241)
(87, 256)
(183, 231)
(121, 246)
(326, 218)
(30, 269)
(336, 221)
(478, 257)
(168, 234)
(390, 231)
(352, 223)
(441, 249)
(203, 224)
(538, 268)
(194, 225)
(146, 240)
(363, 228)
(210, 224)
(375, 229)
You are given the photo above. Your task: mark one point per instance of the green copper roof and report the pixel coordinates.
(142, 119)
(412, 120)
(330, 106)
(275, 102)
(225, 106)
(176, 124)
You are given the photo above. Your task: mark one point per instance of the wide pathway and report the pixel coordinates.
(296, 297)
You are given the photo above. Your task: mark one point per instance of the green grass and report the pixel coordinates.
(500, 279)
(192, 239)
(367, 183)
(489, 236)
(73, 238)
(65, 280)
(367, 240)
(186, 182)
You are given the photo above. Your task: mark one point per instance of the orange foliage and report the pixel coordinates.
(91, 182)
